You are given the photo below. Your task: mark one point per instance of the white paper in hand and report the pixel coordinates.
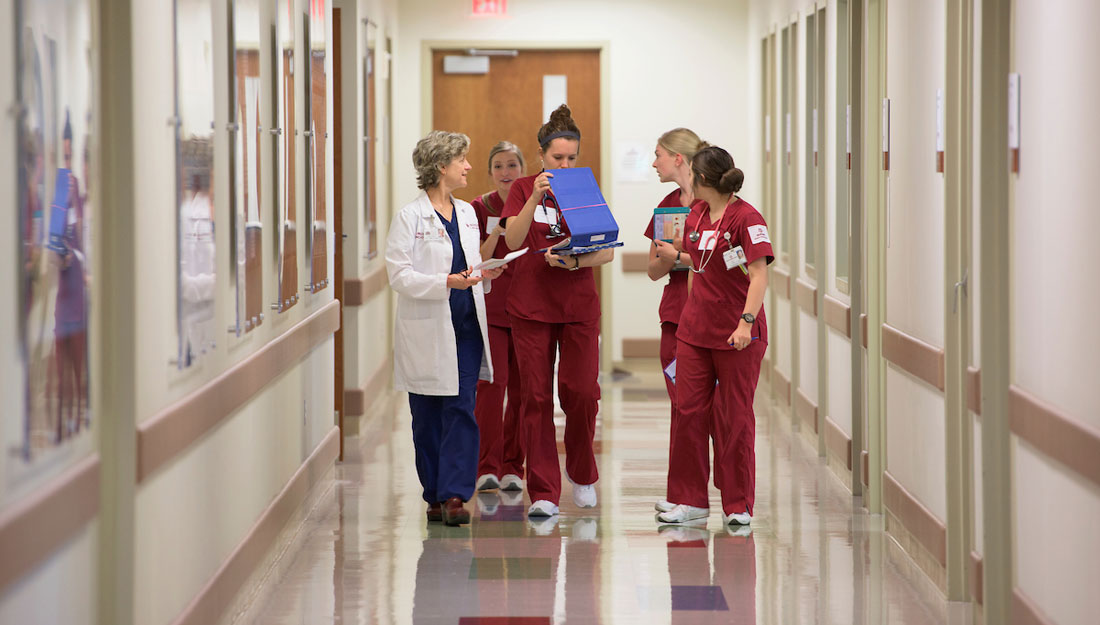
(493, 263)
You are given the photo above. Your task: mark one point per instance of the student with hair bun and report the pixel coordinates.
(500, 462)
(672, 160)
(554, 309)
(722, 338)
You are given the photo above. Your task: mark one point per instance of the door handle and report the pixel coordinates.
(961, 284)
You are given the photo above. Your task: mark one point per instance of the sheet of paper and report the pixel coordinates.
(493, 263)
(491, 223)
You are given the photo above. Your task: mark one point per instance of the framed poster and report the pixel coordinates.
(196, 252)
(316, 145)
(246, 248)
(54, 139)
(370, 216)
(285, 131)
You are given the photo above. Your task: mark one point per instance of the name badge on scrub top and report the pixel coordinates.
(544, 215)
(708, 240)
(734, 257)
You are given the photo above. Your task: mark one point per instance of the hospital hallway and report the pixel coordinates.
(813, 555)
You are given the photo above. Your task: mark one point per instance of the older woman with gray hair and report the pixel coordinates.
(441, 342)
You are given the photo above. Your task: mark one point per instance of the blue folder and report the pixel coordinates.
(591, 225)
(59, 213)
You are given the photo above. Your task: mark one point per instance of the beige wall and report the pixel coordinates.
(367, 328)
(915, 68)
(660, 76)
(1053, 254)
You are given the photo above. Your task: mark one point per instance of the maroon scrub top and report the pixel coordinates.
(717, 298)
(538, 291)
(486, 206)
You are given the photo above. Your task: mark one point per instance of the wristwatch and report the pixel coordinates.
(678, 257)
(749, 318)
(576, 263)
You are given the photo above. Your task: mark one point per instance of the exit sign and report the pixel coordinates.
(489, 8)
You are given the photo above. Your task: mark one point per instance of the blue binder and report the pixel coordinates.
(59, 213)
(591, 225)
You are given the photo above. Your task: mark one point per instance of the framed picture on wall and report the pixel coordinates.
(196, 252)
(54, 138)
(285, 132)
(316, 145)
(246, 248)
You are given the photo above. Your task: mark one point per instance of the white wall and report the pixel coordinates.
(915, 69)
(237, 468)
(367, 328)
(667, 68)
(1053, 255)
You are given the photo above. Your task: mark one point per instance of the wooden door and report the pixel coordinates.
(506, 104)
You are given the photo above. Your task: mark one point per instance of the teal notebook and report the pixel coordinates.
(668, 220)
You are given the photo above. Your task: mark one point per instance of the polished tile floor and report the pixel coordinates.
(367, 556)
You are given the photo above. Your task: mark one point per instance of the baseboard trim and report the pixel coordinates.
(641, 348)
(359, 291)
(210, 604)
(356, 403)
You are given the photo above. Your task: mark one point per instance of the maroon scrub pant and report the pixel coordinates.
(501, 450)
(724, 413)
(536, 344)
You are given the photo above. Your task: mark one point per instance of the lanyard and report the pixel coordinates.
(705, 260)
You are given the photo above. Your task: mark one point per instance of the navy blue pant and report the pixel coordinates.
(445, 432)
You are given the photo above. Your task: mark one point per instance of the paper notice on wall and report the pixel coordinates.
(632, 161)
(554, 92)
(1014, 111)
(940, 118)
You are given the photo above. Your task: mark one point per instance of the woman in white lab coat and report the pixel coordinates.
(441, 342)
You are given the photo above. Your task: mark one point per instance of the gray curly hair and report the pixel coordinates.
(435, 151)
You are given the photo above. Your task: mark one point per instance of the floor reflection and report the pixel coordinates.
(812, 555)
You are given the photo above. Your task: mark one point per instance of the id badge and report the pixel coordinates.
(544, 215)
(734, 257)
(432, 231)
(708, 240)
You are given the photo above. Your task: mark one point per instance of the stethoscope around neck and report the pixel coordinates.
(556, 230)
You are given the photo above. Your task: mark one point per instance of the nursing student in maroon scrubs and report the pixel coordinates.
(722, 338)
(554, 308)
(500, 461)
(672, 161)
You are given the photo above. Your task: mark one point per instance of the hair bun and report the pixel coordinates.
(731, 180)
(561, 114)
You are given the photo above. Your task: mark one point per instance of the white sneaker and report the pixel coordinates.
(511, 481)
(487, 482)
(683, 512)
(584, 495)
(743, 518)
(663, 505)
(542, 508)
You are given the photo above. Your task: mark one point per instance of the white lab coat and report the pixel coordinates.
(418, 259)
